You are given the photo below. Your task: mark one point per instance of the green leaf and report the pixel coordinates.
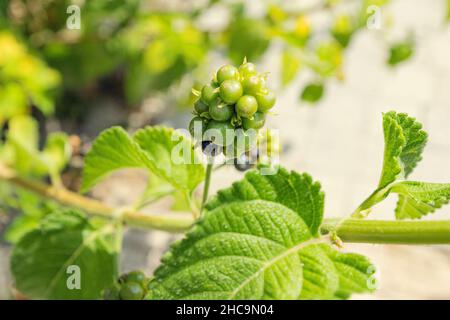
(290, 64)
(404, 144)
(257, 240)
(112, 150)
(447, 18)
(171, 156)
(400, 52)
(22, 141)
(24, 130)
(166, 153)
(156, 188)
(13, 101)
(356, 273)
(326, 60)
(57, 152)
(417, 199)
(24, 155)
(32, 208)
(295, 191)
(342, 30)
(404, 141)
(20, 226)
(312, 93)
(41, 258)
(247, 38)
(321, 280)
(330, 274)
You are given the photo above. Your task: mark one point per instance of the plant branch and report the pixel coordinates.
(168, 222)
(389, 232)
(350, 230)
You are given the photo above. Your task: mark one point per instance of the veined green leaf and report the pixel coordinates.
(404, 142)
(417, 199)
(171, 156)
(257, 240)
(61, 241)
(330, 274)
(356, 272)
(295, 191)
(112, 150)
(320, 277)
(166, 153)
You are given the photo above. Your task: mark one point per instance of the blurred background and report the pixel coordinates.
(79, 67)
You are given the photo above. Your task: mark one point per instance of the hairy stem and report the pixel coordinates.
(209, 168)
(393, 232)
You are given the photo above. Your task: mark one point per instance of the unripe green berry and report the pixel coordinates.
(252, 85)
(230, 91)
(246, 106)
(220, 111)
(112, 293)
(247, 69)
(200, 106)
(131, 291)
(265, 100)
(135, 276)
(209, 93)
(201, 122)
(256, 122)
(227, 72)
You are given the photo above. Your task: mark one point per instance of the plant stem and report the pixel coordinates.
(393, 232)
(350, 230)
(173, 222)
(209, 168)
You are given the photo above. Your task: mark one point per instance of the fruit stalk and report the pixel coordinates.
(208, 175)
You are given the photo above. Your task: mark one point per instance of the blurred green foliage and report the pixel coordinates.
(132, 49)
(312, 93)
(400, 52)
(448, 11)
(160, 49)
(24, 80)
(21, 149)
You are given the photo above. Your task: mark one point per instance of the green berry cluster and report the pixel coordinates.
(235, 98)
(130, 286)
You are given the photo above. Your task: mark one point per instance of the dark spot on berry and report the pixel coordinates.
(211, 149)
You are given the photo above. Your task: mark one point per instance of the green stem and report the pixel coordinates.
(392, 232)
(173, 222)
(350, 230)
(209, 168)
